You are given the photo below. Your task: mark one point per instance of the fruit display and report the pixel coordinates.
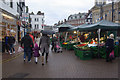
(81, 45)
(65, 43)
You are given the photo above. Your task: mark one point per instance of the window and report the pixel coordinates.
(75, 17)
(11, 3)
(35, 19)
(37, 26)
(80, 16)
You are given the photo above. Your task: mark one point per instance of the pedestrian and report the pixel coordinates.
(82, 38)
(54, 39)
(11, 42)
(109, 47)
(32, 37)
(36, 52)
(44, 46)
(28, 45)
(6, 43)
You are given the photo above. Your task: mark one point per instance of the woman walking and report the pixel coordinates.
(109, 47)
(44, 46)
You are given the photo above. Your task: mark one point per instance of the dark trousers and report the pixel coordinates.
(46, 54)
(27, 52)
(52, 46)
(7, 47)
(108, 51)
(12, 47)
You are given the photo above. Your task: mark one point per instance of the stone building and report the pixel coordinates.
(104, 11)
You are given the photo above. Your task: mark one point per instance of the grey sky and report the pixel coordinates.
(57, 10)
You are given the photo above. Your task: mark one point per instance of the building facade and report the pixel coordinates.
(89, 17)
(104, 11)
(77, 19)
(8, 16)
(37, 21)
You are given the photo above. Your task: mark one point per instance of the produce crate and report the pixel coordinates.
(75, 50)
(94, 51)
(70, 46)
(84, 55)
(116, 51)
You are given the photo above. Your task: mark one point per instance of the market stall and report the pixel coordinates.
(95, 47)
(63, 29)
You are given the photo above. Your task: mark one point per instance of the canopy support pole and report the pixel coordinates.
(99, 30)
(77, 33)
(66, 36)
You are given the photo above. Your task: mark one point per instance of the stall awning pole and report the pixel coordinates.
(77, 33)
(66, 36)
(99, 42)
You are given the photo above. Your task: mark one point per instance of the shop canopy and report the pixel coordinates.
(104, 25)
(64, 27)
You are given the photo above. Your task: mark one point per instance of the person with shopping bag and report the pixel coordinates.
(109, 47)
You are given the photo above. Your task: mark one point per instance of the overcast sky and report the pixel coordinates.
(57, 10)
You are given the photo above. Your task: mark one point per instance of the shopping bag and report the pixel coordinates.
(20, 49)
(112, 54)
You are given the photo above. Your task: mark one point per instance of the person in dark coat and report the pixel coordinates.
(6, 43)
(44, 46)
(36, 52)
(109, 47)
(28, 45)
(82, 38)
(11, 42)
(54, 39)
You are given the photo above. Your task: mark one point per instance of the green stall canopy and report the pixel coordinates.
(103, 24)
(64, 27)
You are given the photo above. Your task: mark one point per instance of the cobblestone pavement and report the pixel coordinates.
(60, 65)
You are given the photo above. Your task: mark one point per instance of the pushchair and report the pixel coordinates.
(57, 47)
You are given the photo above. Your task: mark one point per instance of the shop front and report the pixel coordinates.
(7, 26)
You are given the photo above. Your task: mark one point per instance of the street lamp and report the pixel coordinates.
(112, 10)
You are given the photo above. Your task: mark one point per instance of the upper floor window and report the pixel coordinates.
(35, 19)
(37, 26)
(11, 3)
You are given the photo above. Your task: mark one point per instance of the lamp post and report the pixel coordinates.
(112, 10)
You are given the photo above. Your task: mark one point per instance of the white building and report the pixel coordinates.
(37, 21)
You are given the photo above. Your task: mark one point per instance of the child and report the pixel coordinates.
(36, 52)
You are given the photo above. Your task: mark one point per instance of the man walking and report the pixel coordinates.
(28, 45)
(11, 41)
